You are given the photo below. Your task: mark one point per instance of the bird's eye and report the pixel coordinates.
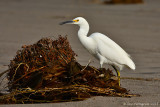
(77, 20)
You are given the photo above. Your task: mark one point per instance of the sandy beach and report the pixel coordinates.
(136, 28)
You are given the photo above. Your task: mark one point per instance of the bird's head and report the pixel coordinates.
(78, 21)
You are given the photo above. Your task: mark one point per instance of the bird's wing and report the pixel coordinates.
(109, 49)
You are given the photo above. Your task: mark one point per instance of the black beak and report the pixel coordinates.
(62, 23)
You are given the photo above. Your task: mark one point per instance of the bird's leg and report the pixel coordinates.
(100, 66)
(118, 73)
(101, 70)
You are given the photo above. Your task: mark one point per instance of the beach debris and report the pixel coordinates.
(47, 72)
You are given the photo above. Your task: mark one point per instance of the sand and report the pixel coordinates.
(133, 27)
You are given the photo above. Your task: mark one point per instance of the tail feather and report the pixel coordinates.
(131, 64)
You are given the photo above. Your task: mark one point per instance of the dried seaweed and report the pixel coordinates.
(123, 1)
(47, 71)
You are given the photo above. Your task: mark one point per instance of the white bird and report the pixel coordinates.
(102, 47)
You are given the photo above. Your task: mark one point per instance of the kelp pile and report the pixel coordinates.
(47, 71)
(123, 1)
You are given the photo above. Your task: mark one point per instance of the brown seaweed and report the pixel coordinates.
(123, 1)
(47, 71)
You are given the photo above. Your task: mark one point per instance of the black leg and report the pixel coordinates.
(118, 73)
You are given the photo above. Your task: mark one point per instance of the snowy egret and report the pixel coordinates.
(102, 47)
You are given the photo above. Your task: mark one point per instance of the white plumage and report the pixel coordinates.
(102, 47)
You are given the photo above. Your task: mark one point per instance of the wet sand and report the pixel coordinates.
(133, 27)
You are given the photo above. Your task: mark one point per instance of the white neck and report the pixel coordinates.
(87, 42)
(83, 31)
